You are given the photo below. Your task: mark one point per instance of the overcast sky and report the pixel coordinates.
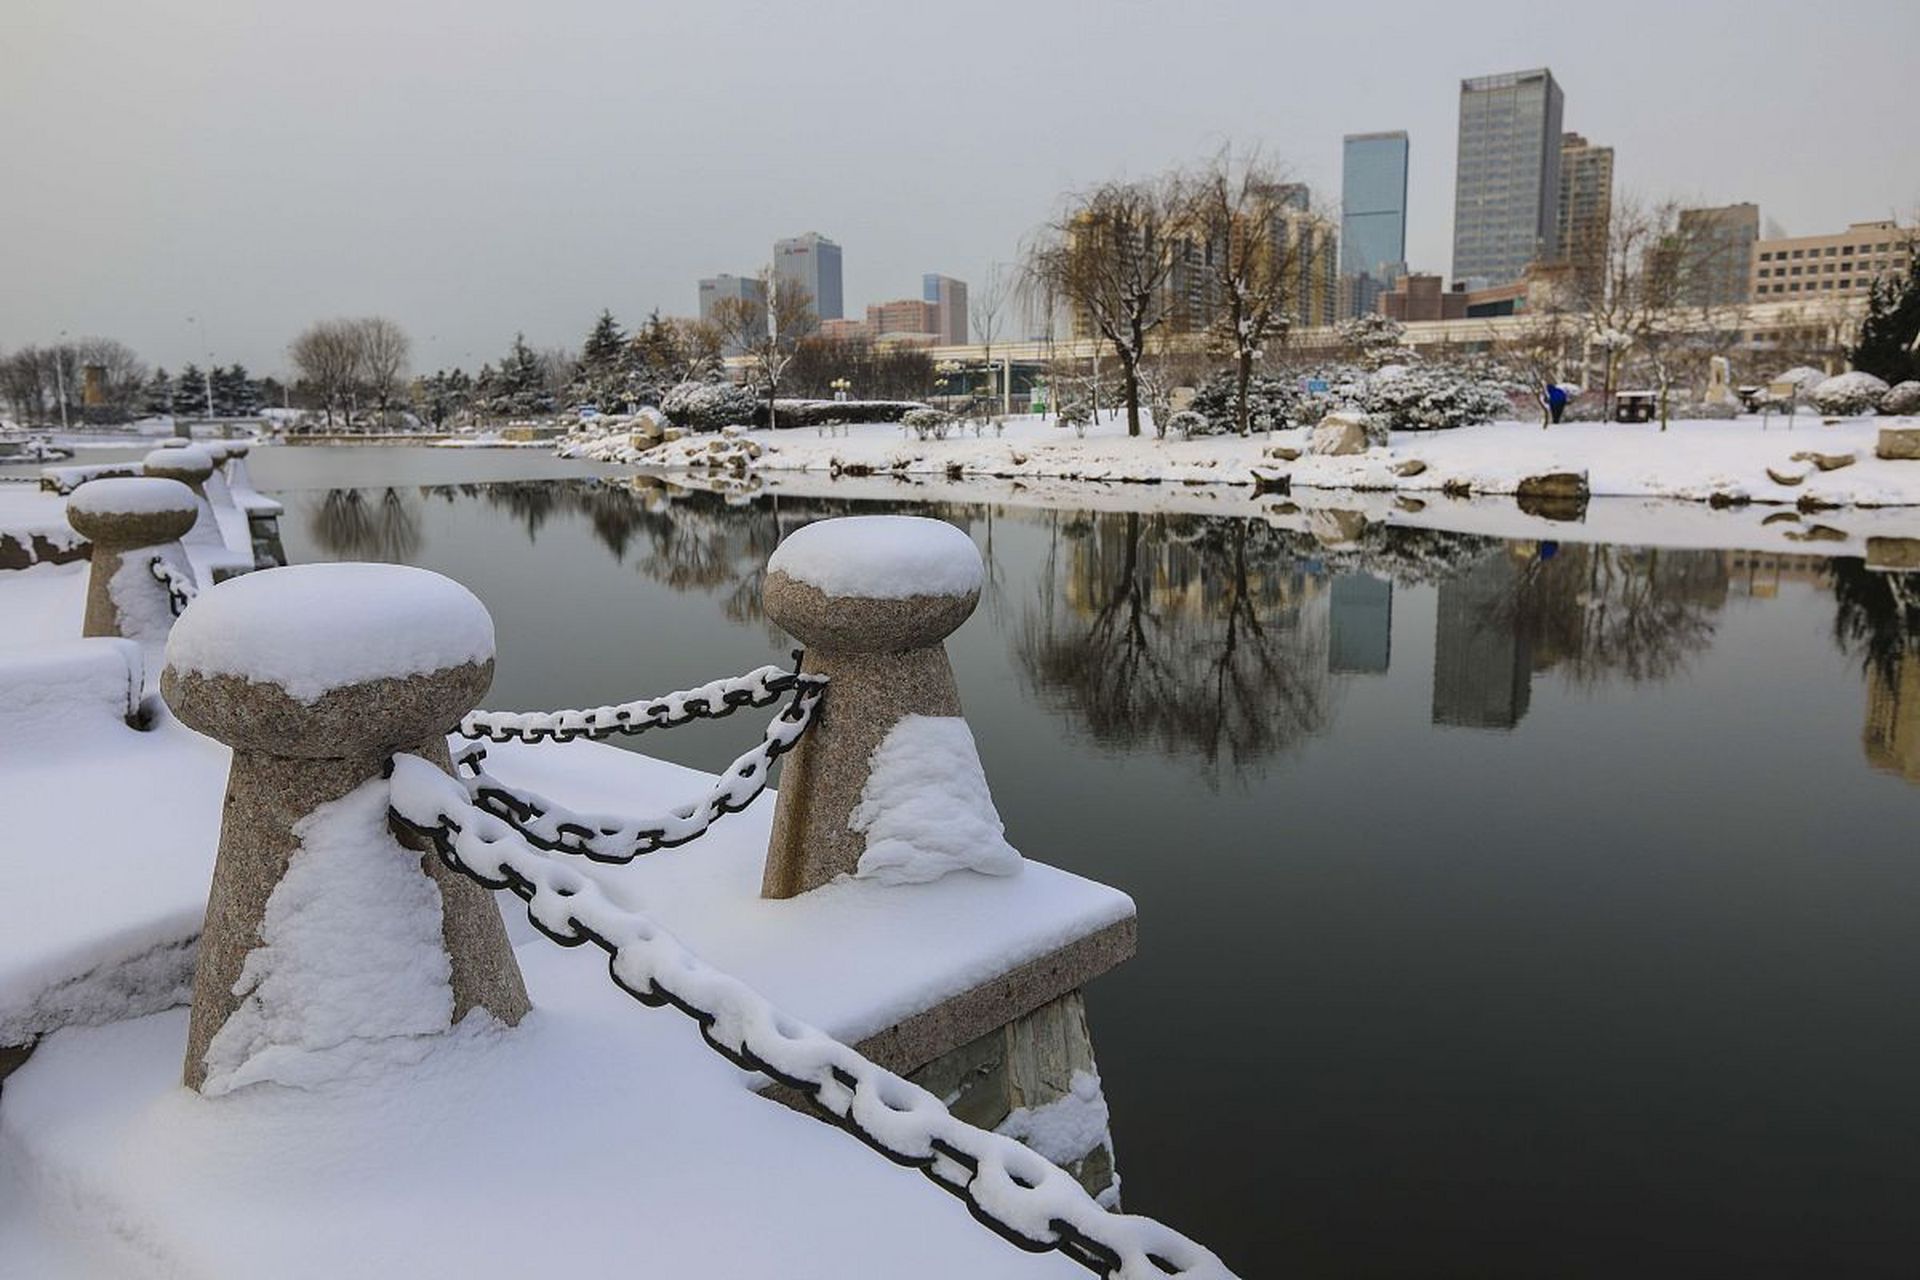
(472, 167)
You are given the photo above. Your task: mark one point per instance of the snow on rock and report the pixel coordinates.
(145, 608)
(1067, 1129)
(926, 809)
(881, 558)
(315, 627)
(351, 974)
(122, 495)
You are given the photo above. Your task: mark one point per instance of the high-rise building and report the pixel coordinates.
(949, 297)
(1586, 208)
(714, 289)
(813, 262)
(1506, 193)
(1314, 242)
(1373, 218)
(1842, 265)
(1722, 240)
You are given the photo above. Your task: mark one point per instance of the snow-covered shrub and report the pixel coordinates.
(1271, 403)
(1804, 377)
(1700, 411)
(1076, 412)
(928, 423)
(1376, 339)
(1847, 394)
(1902, 398)
(1190, 424)
(1431, 398)
(708, 406)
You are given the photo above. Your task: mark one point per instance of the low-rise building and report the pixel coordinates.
(1840, 265)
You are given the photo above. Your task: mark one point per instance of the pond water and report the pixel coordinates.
(1506, 909)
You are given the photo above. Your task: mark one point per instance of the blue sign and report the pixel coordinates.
(1315, 386)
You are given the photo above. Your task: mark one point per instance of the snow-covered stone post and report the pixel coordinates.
(326, 942)
(191, 466)
(130, 521)
(871, 598)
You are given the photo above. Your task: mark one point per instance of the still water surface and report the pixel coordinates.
(1506, 910)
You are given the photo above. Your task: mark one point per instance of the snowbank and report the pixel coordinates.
(926, 810)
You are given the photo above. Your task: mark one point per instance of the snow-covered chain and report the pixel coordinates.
(709, 701)
(611, 838)
(1007, 1186)
(181, 588)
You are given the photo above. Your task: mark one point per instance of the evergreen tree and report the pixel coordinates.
(190, 393)
(157, 398)
(659, 359)
(602, 376)
(1885, 347)
(519, 385)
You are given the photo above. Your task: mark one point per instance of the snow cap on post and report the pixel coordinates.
(315, 674)
(872, 598)
(130, 521)
(192, 466)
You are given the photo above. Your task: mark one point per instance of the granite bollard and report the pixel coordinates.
(871, 598)
(130, 521)
(192, 466)
(314, 675)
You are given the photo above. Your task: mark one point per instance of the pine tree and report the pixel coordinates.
(1891, 329)
(602, 377)
(157, 398)
(519, 385)
(190, 393)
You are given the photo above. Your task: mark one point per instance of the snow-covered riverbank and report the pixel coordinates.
(1742, 460)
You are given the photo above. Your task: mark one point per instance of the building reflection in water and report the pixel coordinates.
(1360, 625)
(1877, 618)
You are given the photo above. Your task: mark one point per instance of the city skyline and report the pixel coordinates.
(470, 187)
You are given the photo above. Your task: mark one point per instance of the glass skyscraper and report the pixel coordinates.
(1373, 218)
(1373, 202)
(1506, 192)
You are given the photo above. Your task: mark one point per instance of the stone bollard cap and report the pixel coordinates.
(329, 660)
(873, 584)
(121, 511)
(190, 463)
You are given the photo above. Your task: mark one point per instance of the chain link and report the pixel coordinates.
(181, 588)
(710, 701)
(609, 839)
(1005, 1185)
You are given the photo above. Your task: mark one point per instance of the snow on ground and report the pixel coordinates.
(1691, 459)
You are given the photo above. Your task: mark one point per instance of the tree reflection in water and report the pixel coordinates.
(1190, 633)
(348, 525)
(1877, 618)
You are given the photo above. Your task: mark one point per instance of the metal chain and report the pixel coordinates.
(611, 839)
(1005, 1185)
(181, 588)
(709, 701)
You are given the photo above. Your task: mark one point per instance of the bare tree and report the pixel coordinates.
(328, 356)
(384, 350)
(1243, 213)
(26, 380)
(1537, 352)
(985, 306)
(1109, 257)
(768, 332)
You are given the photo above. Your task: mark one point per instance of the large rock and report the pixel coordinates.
(1898, 444)
(1894, 555)
(1901, 398)
(1344, 432)
(1847, 394)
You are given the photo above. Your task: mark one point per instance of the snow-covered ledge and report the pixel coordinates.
(326, 944)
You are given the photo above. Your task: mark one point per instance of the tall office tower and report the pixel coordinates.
(1586, 208)
(1373, 218)
(715, 288)
(813, 262)
(1724, 237)
(1506, 192)
(950, 297)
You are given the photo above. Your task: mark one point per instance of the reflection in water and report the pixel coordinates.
(349, 526)
(1191, 633)
(1877, 616)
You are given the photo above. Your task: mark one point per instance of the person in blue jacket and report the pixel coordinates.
(1554, 400)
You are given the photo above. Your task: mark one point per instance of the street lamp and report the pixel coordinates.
(60, 376)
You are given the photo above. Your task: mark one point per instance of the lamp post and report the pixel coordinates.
(60, 376)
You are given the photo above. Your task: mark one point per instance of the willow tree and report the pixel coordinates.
(1252, 221)
(1110, 257)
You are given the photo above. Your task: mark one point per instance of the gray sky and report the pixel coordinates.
(469, 167)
